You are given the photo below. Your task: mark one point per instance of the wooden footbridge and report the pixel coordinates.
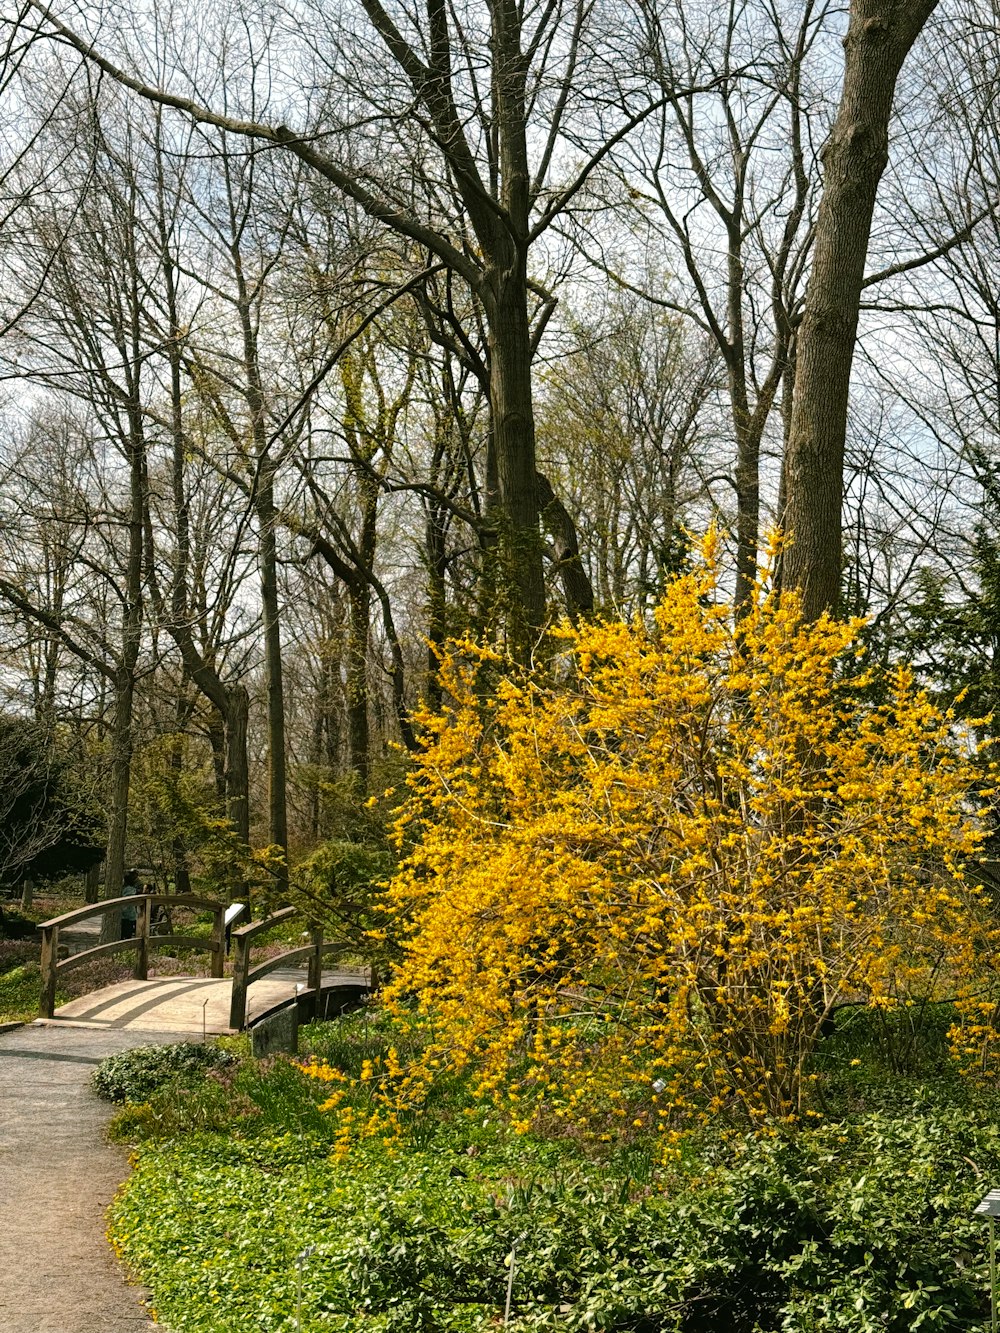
(311, 972)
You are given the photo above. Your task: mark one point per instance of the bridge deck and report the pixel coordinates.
(180, 1004)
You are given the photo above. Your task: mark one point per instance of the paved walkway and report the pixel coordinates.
(183, 1004)
(57, 1173)
(57, 1177)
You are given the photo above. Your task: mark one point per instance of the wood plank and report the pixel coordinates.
(50, 943)
(99, 950)
(163, 899)
(258, 927)
(292, 956)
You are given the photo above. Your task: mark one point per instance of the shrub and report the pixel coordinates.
(642, 880)
(857, 1227)
(133, 1076)
(180, 1107)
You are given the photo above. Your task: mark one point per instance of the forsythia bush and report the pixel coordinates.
(639, 881)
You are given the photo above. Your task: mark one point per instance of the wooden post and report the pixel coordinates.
(50, 947)
(219, 942)
(91, 890)
(241, 965)
(315, 975)
(142, 914)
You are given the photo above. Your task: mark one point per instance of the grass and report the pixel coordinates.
(20, 973)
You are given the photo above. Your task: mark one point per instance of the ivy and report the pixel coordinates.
(847, 1228)
(133, 1075)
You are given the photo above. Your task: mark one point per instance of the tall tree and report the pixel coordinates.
(482, 130)
(623, 427)
(198, 630)
(86, 332)
(372, 409)
(879, 37)
(722, 185)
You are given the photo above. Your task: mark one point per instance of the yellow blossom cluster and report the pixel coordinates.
(638, 881)
(320, 1070)
(373, 1103)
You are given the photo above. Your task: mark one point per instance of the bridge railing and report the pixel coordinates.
(53, 965)
(244, 975)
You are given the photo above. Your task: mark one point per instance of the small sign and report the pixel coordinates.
(989, 1206)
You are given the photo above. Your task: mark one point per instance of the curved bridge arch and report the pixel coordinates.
(312, 953)
(53, 965)
(216, 942)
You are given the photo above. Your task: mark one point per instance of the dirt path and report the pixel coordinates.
(57, 1177)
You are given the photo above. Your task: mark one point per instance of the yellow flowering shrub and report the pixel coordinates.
(638, 882)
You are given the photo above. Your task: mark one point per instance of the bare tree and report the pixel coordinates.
(722, 184)
(372, 409)
(90, 317)
(196, 623)
(623, 427)
(879, 38)
(466, 150)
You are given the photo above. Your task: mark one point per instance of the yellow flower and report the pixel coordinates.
(676, 847)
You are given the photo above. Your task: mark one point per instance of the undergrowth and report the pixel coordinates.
(20, 981)
(859, 1222)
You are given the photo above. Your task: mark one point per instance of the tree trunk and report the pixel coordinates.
(121, 727)
(435, 546)
(178, 847)
(486, 611)
(237, 763)
(230, 702)
(273, 675)
(359, 596)
(323, 750)
(216, 728)
(92, 883)
(879, 37)
(267, 549)
(121, 776)
(577, 588)
(747, 514)
(514, 441)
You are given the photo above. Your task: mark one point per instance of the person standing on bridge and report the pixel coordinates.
(130, 885)
(159, 917)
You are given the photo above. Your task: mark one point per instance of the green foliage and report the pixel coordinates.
(347, 812)
(857, 1229)
(888, 1059)
(172, 801)
(132, 1076)
(848, 1227)
(338, 885)
(20, 983)
(365, 1037)
(952, 634)
(51, 826)
(219, 1092)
